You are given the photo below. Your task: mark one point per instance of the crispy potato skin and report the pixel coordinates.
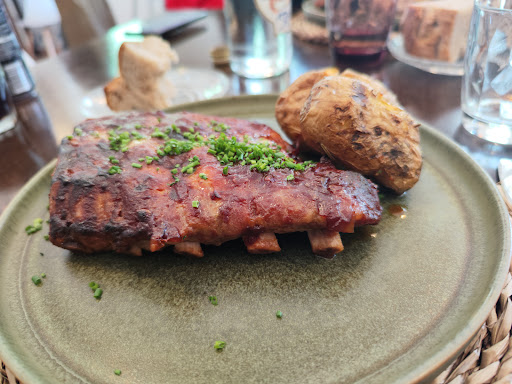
(372, 82)
(356, 126)
(290, 102)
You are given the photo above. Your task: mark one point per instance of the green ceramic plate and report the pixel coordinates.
(401, 300)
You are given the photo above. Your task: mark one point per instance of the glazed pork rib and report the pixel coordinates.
(143, 181)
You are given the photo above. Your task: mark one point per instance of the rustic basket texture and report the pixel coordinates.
(487, 358)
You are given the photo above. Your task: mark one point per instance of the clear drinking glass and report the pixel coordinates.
(358, 29)
(259, 36)
(487, 82)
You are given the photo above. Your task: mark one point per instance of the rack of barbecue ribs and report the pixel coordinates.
(144, 181)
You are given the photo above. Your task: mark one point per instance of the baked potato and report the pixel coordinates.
(359, 128)
(292, 99)
(378, 86)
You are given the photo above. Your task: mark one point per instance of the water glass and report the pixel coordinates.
(487, 82)
(259, 37)
(358, 29)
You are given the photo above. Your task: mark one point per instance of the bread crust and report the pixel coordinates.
(144, 83)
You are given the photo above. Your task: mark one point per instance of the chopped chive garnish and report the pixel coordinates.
(43, 275)
(279, 314)
(157, 169)
(189, 168)
(114, 169)
(41, 253)
(141, 159)
(213, 300)
(113, 160)
(37, 225)
(97, 293)
(119, 141)
(137, 126)
(195, 204)
(176, 180)
(219, 345)
(290, 177)
(174, 171)
(94, 286)
(203, 176)
(47, 237)
(225, 170)
(117, 372)
(36, 280)
(69, 137)
(158, 134)
(136, 165)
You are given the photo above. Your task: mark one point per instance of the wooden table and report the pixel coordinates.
(64, 80)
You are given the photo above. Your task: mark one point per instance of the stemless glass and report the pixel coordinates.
(487, 82)
(358, 30)
(259, 37)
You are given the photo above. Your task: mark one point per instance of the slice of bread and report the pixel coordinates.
(437, 30)
(143, 62)
(144, 83)
(121, 97)
(401, 6)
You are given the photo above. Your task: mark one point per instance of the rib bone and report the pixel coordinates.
(325, 243)
(262, 243)
(189, 248)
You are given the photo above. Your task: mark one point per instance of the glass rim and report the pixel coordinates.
(482, 4)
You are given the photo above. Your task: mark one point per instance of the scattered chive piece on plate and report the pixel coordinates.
(98, 292)
(195, 204)
(94, 286)
(37, 225)
(213, 300)
(43, 275)
(36, 280)
(136, 165)
(203, 176)
(47, 237)
(219, 345)
(225, 170)
(117, 372)
(290, 177)
(279, 314)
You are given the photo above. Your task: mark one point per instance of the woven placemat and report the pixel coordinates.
(487, 358)
(305, 30)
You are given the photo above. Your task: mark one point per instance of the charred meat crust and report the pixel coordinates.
(92, 210)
